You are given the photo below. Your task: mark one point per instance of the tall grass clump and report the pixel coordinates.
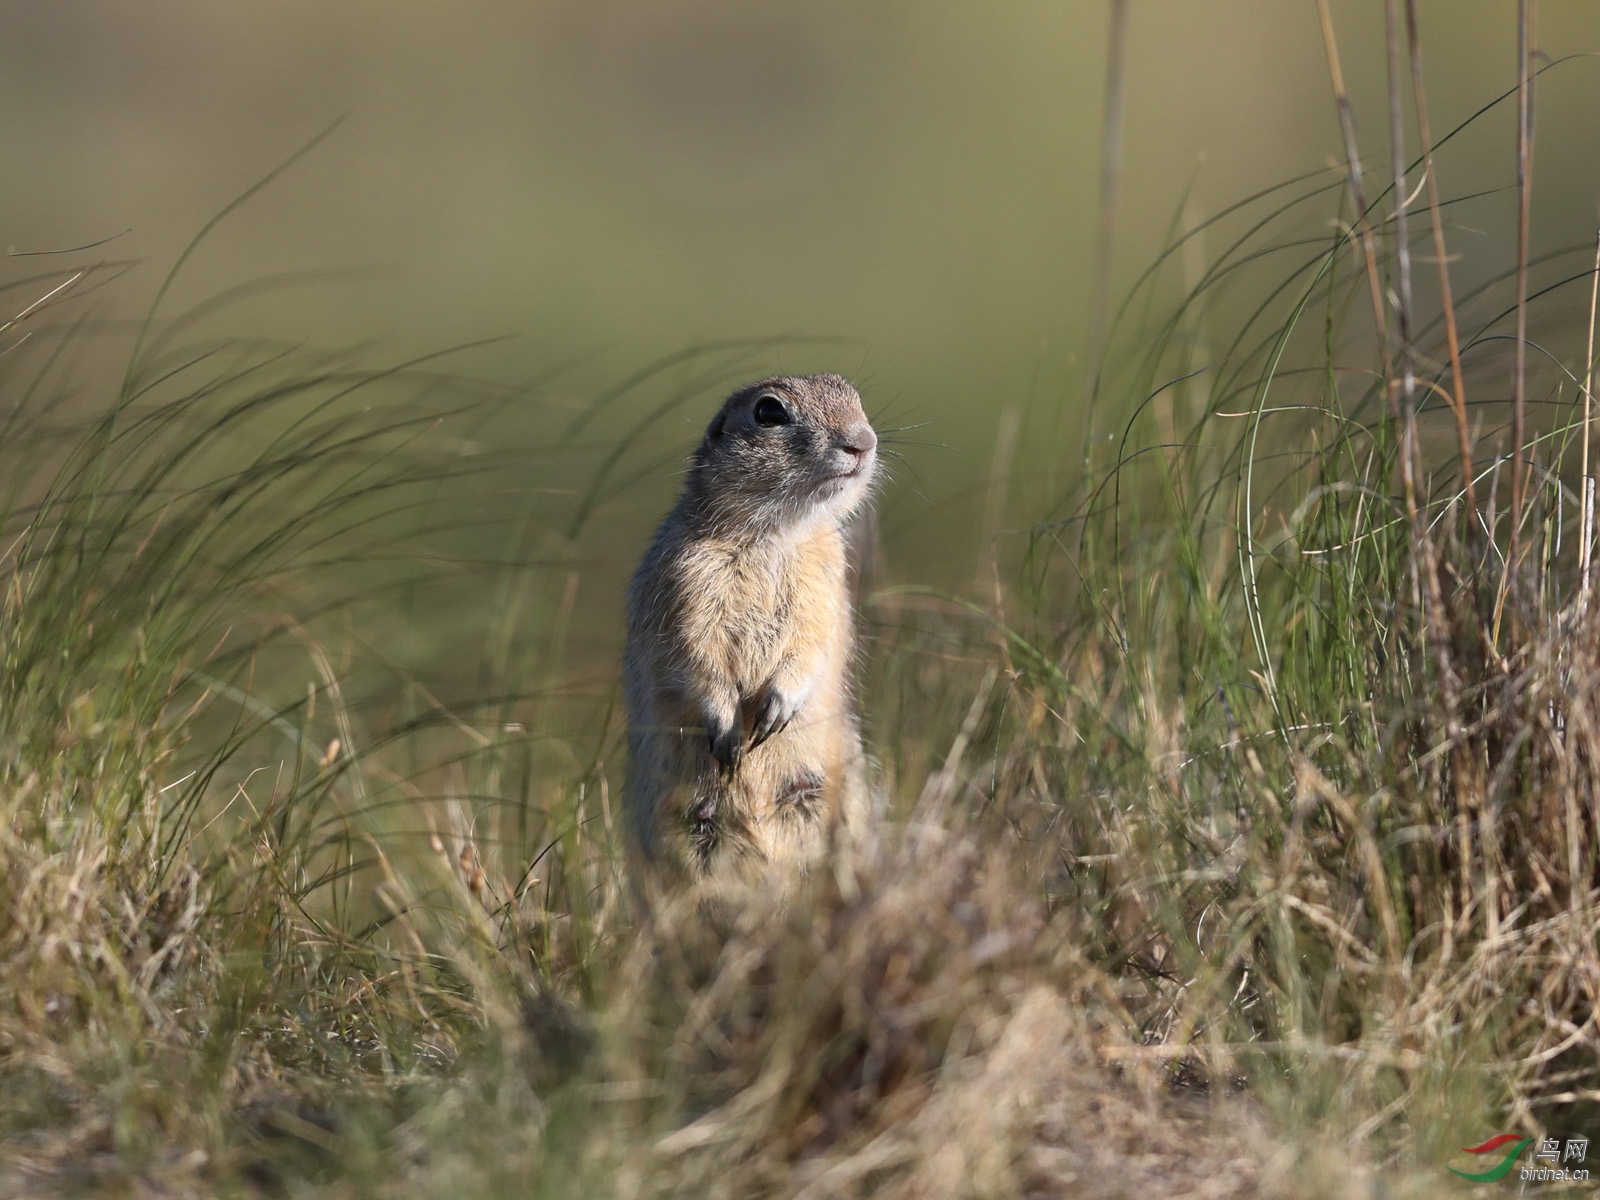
(1304, 688)
(185, 867)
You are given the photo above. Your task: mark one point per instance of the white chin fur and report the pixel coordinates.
(841, 496)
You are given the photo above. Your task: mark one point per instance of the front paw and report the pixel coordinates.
(727, 747)
(773, 716)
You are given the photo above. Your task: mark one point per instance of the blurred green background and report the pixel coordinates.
(609, 181)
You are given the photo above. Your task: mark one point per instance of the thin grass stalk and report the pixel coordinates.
(1409, 453)
(1524, 211)
(1110, 182)
(1352, 153)
(1586, 546)
(1457, 394)
(1402, 246)
(1462, 764)
(1425, 556)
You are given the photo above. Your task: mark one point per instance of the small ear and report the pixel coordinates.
(714, 430)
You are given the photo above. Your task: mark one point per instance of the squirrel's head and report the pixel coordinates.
(787, 450)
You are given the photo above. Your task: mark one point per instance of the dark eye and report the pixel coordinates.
(772, 411)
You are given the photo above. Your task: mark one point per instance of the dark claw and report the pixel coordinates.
(772, 718)
(728, 749)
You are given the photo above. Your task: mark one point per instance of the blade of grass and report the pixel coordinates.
(1457, 393)
(1110, 183)
(1519, 379)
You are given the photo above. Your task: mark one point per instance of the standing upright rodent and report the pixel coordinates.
(742, 728)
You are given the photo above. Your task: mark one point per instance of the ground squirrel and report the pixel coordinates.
(742, 728)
